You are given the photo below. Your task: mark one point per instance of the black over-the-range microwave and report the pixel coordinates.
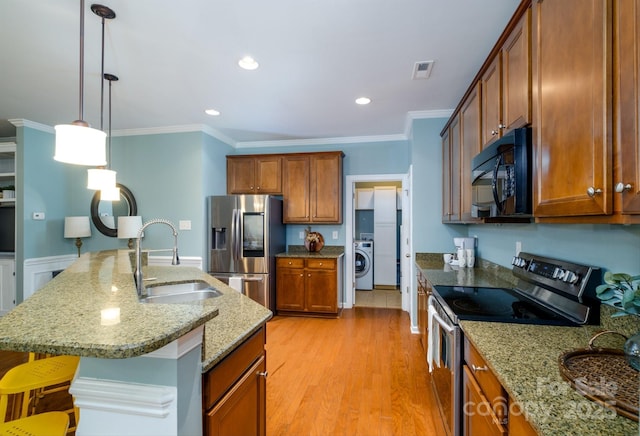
(501, 177)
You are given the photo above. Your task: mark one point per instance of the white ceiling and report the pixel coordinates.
(177, 58)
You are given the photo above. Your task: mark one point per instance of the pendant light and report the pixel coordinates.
(77, 143)
(102, 178)
(110, 193)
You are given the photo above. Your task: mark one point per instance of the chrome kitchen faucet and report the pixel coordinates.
(174, 260)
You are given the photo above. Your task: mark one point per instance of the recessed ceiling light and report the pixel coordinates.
(212, 112)
(248, 63)
(363, 100)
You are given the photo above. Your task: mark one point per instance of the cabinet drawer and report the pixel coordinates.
(221, 377)
(289, 262)
(477, 419)
(491, 387)
(321, 263)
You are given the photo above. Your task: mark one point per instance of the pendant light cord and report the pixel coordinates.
(81, 94)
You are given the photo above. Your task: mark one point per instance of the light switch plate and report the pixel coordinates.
(335, 234)
(184, 224)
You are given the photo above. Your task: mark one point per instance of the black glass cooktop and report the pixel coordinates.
(495, 305)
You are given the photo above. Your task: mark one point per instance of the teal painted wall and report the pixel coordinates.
(429, 234)
(172, 174)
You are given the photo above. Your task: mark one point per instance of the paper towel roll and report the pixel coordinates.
(236, 283)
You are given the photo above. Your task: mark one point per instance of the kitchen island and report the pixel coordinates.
(92, 310)
(524, 358)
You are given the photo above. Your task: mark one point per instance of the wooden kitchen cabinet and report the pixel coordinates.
(234, 391)
(451, 173)
(254, 174)
(470, 146)
(572, 107)
(485, 402)
(312, 188)
(459, 146)
(626, 180)
(424, 290)
(308, 286)
(506, 84)
(518, 424)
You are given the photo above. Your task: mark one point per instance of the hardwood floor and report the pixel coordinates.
(362, 374)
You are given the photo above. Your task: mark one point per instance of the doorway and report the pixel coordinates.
(359, 225)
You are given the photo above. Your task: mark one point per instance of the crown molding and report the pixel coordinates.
(411, 116)
(21, 122)
(321, 141)
(418, 115)
(176, 129)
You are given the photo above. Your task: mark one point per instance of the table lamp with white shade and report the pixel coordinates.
(128, 227)
(77, 227)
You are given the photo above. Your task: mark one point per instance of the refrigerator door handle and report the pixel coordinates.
(234, 234)
(238, 234)
(253, 279)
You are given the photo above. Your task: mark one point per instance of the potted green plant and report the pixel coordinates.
(620, 290)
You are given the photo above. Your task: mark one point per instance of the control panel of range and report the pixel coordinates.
(561, 275)
(545, 269)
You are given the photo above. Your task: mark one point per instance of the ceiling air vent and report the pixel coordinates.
(422, 70)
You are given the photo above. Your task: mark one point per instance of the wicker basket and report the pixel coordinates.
(604, 376)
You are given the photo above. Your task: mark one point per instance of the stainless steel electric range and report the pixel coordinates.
(548, 292)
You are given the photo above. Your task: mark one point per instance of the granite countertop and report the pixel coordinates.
(327, 252)
(68, 316)
(525, 357)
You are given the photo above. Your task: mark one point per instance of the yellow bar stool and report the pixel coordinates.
(29, 379)
(42, 424)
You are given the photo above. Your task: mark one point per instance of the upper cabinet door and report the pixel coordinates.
(572, 107)
(626, 96)
(491, 83)
(240, 175)
(296, 170)
(470, 146)
(268, 170)
(326, 188)
(516, 75)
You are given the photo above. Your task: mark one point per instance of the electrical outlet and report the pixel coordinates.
(301, 235)
(335, 234)
(518, 247)
(184, 224)
(38, 216)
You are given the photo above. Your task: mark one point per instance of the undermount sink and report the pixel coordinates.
(179, 292)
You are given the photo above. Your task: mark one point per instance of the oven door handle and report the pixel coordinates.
(433, 339)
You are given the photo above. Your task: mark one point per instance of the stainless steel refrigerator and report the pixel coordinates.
(245, 233)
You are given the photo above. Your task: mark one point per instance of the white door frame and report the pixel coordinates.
(405, 236)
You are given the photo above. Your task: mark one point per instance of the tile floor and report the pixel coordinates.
(390, 298)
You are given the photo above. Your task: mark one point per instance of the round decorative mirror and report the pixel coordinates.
(104, 214)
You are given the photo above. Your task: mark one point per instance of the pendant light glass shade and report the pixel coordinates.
(110, 194)
(100, 178)
(80, 145)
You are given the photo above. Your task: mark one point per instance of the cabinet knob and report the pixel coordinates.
(308, 275)
(301, 275)
(289, 262)
(263, 374)
(621, 187)
(494, 132)
(591, 191)
(258, 188)
(251, 187)
(479, 368)
(501, 126)
(320, 263)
